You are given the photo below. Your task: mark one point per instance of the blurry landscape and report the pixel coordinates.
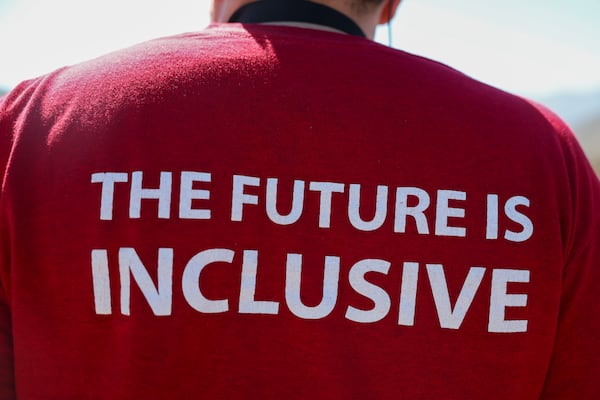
(590, 140)
(581, 111)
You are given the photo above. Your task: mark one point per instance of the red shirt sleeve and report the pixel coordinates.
(7, 383)
(575, 364)
(7, 376)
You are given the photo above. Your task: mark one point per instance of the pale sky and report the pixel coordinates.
(531, 47)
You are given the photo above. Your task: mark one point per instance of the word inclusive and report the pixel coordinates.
(159, 297)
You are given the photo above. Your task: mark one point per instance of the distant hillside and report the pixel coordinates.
(582, 112)
(589, 134)
(576, 108)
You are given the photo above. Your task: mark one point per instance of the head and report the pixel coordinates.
(366, 13)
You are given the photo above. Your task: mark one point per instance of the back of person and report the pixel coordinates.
(260, 211)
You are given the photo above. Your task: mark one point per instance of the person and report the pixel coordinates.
(279, 207)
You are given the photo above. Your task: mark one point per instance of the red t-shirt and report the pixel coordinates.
(274, 212)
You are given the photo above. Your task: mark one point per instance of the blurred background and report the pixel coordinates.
(546, 50)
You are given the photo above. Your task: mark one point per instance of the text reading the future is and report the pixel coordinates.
(411, 210)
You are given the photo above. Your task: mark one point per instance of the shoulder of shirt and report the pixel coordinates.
(166, 53)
